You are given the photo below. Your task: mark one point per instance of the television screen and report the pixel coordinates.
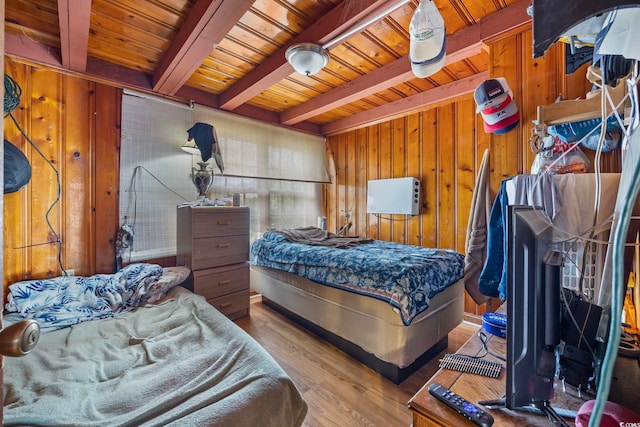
(533, 307)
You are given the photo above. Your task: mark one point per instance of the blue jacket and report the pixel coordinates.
(493, 279)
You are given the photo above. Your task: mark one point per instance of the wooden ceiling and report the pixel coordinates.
(229, 54)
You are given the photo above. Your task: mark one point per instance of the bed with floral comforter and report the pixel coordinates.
(405, 276)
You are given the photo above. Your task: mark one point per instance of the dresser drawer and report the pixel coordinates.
(216, 251)
(212, 223)
(216, 282)
(232, 305)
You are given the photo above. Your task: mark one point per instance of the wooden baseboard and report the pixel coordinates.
(472, 318)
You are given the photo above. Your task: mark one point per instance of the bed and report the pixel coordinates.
(411, 299)
(173, 361)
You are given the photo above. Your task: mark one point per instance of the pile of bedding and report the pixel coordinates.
(178, 362)
(67, 300)
(405, 276)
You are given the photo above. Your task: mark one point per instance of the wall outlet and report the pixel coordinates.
(71, 272)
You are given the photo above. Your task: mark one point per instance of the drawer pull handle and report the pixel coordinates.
(226, 304)
(224, 282)
(224, 245)
(224, 222)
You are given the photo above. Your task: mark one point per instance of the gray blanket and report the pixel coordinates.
(317, 237)
(179, 363)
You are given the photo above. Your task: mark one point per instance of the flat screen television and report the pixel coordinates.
(533, 311)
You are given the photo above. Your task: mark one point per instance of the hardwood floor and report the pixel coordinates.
(339, 390)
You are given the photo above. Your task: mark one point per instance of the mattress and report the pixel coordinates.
(372, 324)
(404, 276)
(176, 363)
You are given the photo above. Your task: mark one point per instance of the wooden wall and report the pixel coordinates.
(74, 123)
(443, 147)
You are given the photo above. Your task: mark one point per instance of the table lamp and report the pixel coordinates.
(203, 140)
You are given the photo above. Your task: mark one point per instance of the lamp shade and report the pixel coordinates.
(190, 147)
(307, 58)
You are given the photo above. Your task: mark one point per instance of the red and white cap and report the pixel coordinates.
(491, 92)
(503, 125)
(493, 115)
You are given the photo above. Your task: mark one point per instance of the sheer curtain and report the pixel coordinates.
(278, 172)
(154, 172)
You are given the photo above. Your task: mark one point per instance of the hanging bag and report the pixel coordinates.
(17, 170)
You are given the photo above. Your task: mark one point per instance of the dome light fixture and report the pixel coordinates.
(307, 58)
(310, 58)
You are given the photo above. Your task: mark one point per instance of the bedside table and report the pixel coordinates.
(213, 242)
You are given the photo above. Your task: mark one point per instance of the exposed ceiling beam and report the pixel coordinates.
(207, 24)
(32, 51)
(394, 73)
(406, 105)
(210, 100)
(460, 45)
(275, 68)
(74, 17)
(101, 71)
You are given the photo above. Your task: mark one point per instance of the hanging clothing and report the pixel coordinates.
(476, 240)
(534, 190)
(206, 140)
(492, 280)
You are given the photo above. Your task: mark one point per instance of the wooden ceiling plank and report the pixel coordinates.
(74, 17)
(396, 72)
(108, 73)
(463, 44)
(207, 24)
(276, 68)
(406, 105)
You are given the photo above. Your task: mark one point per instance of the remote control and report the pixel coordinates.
(461, 406)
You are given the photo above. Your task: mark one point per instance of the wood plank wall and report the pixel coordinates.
(76, 124)
(443, 146)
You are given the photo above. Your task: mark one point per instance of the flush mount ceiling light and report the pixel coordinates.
(310, 58)
(307, 58)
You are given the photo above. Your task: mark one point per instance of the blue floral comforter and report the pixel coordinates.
(64, 301)
(405, 276)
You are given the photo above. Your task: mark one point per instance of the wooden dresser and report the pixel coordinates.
(214, 243)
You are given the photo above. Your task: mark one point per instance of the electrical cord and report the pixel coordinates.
(157, 179)
(13, 92)
(483, 339)
(388, 218)
(127, 229)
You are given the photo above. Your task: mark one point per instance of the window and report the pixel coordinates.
(261, 150)
(277, 171)
(154, 172)
(273, 203)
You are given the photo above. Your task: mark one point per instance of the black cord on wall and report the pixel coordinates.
(12, 94)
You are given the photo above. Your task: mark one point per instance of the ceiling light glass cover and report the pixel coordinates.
(307, 58)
